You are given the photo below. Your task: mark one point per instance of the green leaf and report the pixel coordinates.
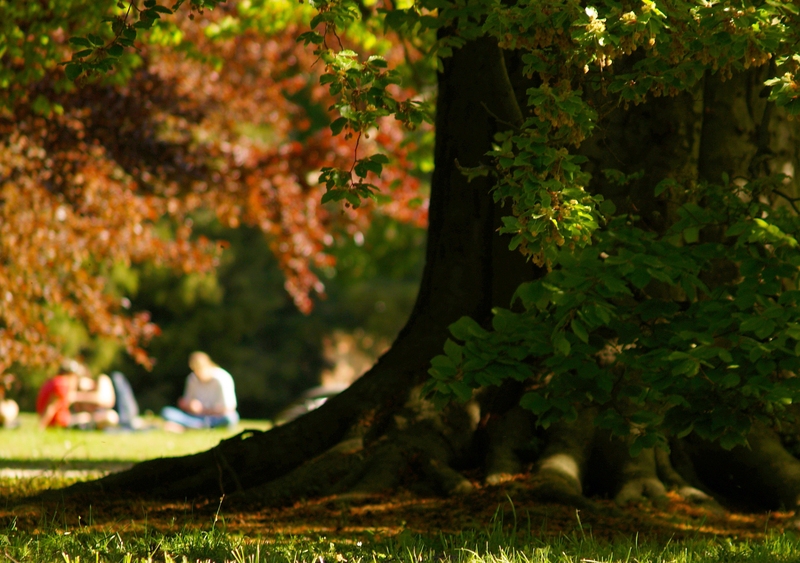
(442, 361)
(730, 440)
(466, 328)
(686, 367)
(561, 344)
(116, 50)
(453, 351)
(73, 71)
(754, 324)
(766, 329)
(364, 166)
(310, 37)
(737, 228)
(334, 195)
(732, 379)
(80, 42)
(352, 199)
(475, 364)
(532, 294)
(579, 330)
(665, 184)
(636, 447)
(535, 403)
(377, 61)
(338, 125)
(691, 234)
(607, 207)
(461, 390)
(639, 278)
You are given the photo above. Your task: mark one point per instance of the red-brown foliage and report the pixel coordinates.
(92, 187)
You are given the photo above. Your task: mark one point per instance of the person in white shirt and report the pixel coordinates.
(208, 400)
(9, 409)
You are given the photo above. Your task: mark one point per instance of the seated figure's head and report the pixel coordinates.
(86, 383)
(201, 364)
(75, 367)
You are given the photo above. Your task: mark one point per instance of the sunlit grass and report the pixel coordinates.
(55, 448)
(492, 545)
(32, 459)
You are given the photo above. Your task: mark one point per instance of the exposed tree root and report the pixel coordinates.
(639, 479)
(507, 434)
(315, 478)
(762, 475)
(676, 482)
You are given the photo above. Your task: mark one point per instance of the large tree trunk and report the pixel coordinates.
(468, 271)
(379, 431)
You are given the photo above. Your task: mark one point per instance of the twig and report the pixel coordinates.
(791, 200)
(222, 465)
(513, 126)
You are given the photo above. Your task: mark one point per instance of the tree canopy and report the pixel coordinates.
(225, 114)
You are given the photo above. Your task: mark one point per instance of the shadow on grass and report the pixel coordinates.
(86, 469)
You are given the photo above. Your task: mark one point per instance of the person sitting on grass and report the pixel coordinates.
(208, 400)
(74, 399)
(9, 410)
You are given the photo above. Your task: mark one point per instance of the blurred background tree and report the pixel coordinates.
(174, 204)
(242, 316)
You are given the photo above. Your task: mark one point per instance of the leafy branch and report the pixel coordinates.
(362, 97)
(96, 55)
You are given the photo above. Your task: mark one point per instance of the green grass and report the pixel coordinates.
(481, 546)
(32, 459)
(58, 448)
(55, 540)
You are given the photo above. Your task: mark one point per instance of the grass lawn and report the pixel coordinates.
(27, 446)
(27, 452)
(493, 525)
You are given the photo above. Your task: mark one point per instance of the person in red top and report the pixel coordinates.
(54, 400)
(74, 398)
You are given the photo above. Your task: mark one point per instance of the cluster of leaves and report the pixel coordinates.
(625, 318)
(568, 49)
(692, 330)
(363, 95)
(113, 173)
(96, 55)
(59, 253)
